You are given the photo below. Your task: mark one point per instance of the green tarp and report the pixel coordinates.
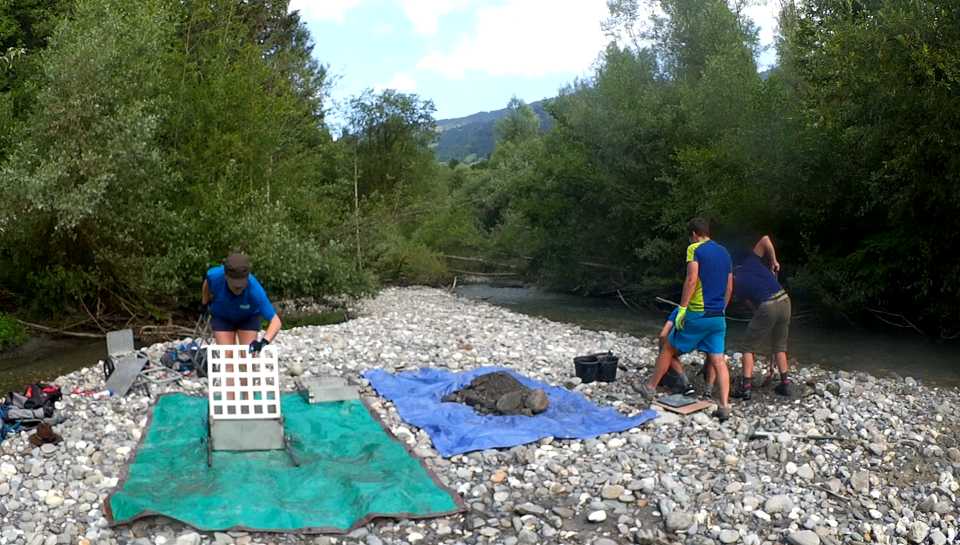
(351, 470)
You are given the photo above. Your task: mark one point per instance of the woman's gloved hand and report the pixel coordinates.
(257, 346)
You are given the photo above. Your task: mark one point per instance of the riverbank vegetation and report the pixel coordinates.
(140, 142)
(845, 152)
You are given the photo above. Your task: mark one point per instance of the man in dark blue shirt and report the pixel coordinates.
(237, 301)
(756, 283)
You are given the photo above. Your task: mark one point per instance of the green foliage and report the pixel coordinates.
(519, 124)
(321, 319)
(164, 136)
(12, 334)
(405, 261)
(391, 133)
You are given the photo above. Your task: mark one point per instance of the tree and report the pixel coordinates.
(391, 133)
(520, 123)
(25, 28)
(90, 168)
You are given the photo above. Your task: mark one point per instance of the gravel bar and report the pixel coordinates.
(887, 472)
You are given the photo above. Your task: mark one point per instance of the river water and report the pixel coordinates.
(844, 348)
(44, 359)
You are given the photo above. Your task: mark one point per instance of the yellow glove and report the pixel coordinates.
(681, 317)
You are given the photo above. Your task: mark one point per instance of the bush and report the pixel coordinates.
(12, 334)
(404, 261)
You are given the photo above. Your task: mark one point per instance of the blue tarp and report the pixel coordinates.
(455, 428)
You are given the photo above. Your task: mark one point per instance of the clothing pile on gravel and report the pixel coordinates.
(890, 475)
(499, 393)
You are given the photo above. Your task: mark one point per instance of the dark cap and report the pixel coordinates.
(237, 269)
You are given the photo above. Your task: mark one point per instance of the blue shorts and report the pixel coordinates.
(250, 323)
(703, 333)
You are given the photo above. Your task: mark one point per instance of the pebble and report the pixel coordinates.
(611, 491)
(597, 516)
(803, 537)
(778, 504)
(860, 481)
(53, 500)
(190, 538)
(729, 536)
(679, 520)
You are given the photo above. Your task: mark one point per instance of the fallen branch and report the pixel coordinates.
(62, 332)
(771, 435)
(831, 492)
(472, 273)
(950, 337)
(481, 261)
(903, 324)
(624, 301)
(171, 331)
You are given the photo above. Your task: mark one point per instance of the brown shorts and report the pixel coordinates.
(769, 328)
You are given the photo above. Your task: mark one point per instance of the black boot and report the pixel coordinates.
(745, 392)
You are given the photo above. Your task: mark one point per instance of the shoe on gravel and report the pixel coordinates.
(706, 391)
(683, 387)
(743, 392)
(722, 414)
(785, 389)
(646, 391)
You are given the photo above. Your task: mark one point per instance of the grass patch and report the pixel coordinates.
(12, 333)
(323, 318)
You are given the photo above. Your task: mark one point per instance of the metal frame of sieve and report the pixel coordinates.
(242, 386)
(243, 392)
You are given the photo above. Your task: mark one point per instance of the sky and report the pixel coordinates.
(467, 55)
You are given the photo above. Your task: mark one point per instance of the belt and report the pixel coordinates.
(779, 296)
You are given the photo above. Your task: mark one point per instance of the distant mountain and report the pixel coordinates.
(472, 137)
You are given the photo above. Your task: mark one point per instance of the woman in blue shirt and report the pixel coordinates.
(237, 301)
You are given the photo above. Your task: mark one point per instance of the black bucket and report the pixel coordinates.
(587, 367)
(607, 368)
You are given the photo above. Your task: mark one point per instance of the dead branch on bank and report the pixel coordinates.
(896, 320)
(63, 332)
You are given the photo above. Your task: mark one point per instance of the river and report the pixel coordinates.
(44, 359)
(836, 348)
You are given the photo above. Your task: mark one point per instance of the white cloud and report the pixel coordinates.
(323, 10)
(401, 81)
(526, 38)
(425, 14)
(765, 15)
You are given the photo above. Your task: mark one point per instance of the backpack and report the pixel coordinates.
(36, 396)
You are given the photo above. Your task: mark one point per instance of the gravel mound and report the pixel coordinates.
(500, 393)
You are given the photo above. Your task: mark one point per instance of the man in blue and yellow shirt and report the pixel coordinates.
(700, 323)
